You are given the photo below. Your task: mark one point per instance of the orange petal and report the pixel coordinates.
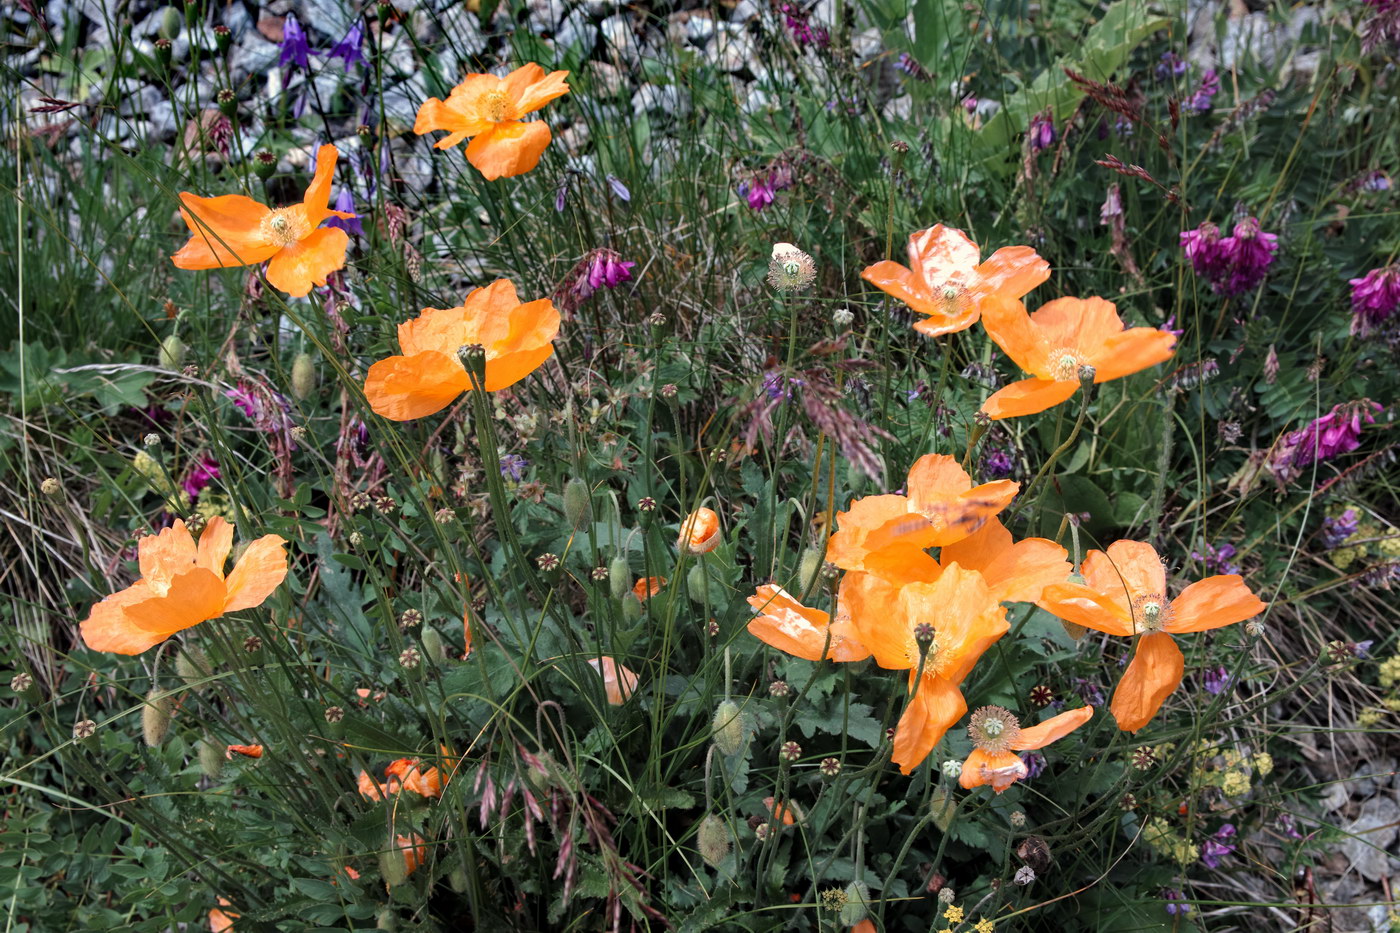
(527, 343)
(1027, 397)
(963, 316)
(1127, 570)
(1016, 572)
(1213, 603)
(699, 532)
(942, 255)
(318, 194)
(509, 149)
(308, 262)
(402, 388)
(942, 492)
(440, 330)
(437, 115)
(802, 632)
(872, 606)
(880, 535)
(1080, 325)
(1053, 729)
(107, 629)
(1132, 351)
(865, 926)
(530, 88)
(1012, 271)
(1010, 327)
(221, 921)
(214, 545)
(247, 751)
(999, 769)
(934, 708)
(192, 598)
(899, 282)
(467, 634)
(162, 556)
(372, 789)
(225, 232)
(260, 570)
(1152, 675)
(1086, 606)
(967, 618)
(618, 681)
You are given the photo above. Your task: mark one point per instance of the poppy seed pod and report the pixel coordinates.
(808, 569)
(433, 649)
(172, 353)
(713, 840)
(729, 729)
(303, 376)
(211, 760)
(619, 577)
(578, 505)
(155, 717)
(857, 905)
(393, 868)
(699, 532)
(169, 23)
(192, 664)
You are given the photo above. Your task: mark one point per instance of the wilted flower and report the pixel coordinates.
(247, 751)
(996, 737)
(790, 269)
(700, 532)
(1375, 297)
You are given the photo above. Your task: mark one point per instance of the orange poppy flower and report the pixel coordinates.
(789, 626)
(489, 109)
(247, 751)
(233, 230)
(699, 532)
(183, 585)
(415, 851)
(1015, 572)
(467, 634)
(405, 773)
(997, 736)
(889, 534)
(374, 790)
(220, 921)
(618, 681)
(964, 619)
(647, 587)
(947, 282)
(1125, 593)
(865, 926)
(1054, 342)
(782, 811)
(429, 375)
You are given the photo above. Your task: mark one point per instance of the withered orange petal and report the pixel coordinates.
(225, 232)
(999, 769)
(1085, 606)
(298, 266)
(318, 194)
(1027, 397)
(1132, 351)
(1052, 729)
(107, 629)
(402, 388)
(1007, 323)
(215, 543)
(933, 709)
(898, 282)
(1152, 675)
(1214, 603)
(1127, 570)
(940, 254)
(259, 571)
(509, 149)
(531, 88)
(1012, 272)
(193, 597)
(161, 556)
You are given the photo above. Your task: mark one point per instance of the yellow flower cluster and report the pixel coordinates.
(176, 499)
(1371, 539)
(1227, 768)
(1159, 837)
(1370, 717)
(1390, 671)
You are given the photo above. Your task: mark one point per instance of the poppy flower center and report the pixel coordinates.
(1065, 364)
(1151, 613)
(495, 105)
(285, 226)
(994, 729)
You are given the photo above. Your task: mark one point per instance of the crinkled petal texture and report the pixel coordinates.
(789, 626)
(940, 281)
(999, 769)
(1052, 729)
(618, 681)
(162, 556)
(942, 255)
(880, 535)
(215, 543)
(225, 232)
(1154, 672)
(1127, 570)
(1012, 272)
(257, 574)
(402, 388)
(531, 88)
(1085, 606)
(935, 707)
(192, 597)
(1027, 397)
(942, 492)
(509, 149)
(1213, 603)
(309, 261)
(1015, 572)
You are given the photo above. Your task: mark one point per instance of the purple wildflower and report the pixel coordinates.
(561, 194)
(295, 49)
(1176, 903)
(618, 188)
(350, 49)
(1034, 762)
(797, 21)
(1167, 327)
(245, 399)
(1375, 297)
(1217, 559)
(1382, 27)
(1088, 691)
(513, 467)
(1171, 66)
(1336, 530)
(1041, 132)
(204, 472)
(777, 387)
(1218, 846)
(1375, 181)
(759, 194)
(1288, 826)
(1216, 680)
(998, 464)
(608, 270)
(1337, 432)
(345, 201)
(1200, 102)
(1249, 252)
(1202, 247)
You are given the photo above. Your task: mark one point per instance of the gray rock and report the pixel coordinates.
(546, 15)
(668, 99)
(731, 49)
(899, 108)
(401, 104)
(700, 27)
(331, 18)
(744, 11)
(252, 55)
(607, 78)
(619, 40)
(575, 137)
(867, 44)
(414, 167)
(235, 17)
(758, 100)
(462, 32)
(576, 30)
(1369, 835)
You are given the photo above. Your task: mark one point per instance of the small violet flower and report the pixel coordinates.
(296, 51)
(608, 270)
(245, 400)
(1175, 902)
(1200, 102)
(1034, 762)
(1375, 297)
(345, 201)
(204, 472)
(350, 49)
(1335, 433)
(1217, 559)
(1041, 131)
(999, 463)
(1216, 680)
(1336, 530)
(513, 467)
(1218, 846)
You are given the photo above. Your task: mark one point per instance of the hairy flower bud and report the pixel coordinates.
(171, 354)
(303, 376)
(155, 716)
(169, 22)
(713, 840)
(808, 569)
(857, 906)
(619, 577)
(211, 759)
(192, 664)
(730, 728)
(433, 649)
(578, 504)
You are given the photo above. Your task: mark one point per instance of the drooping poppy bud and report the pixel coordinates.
(619, 577)
(713, 840)
(729, 728)
(155, 717)
(578, 505)
(303, 376)
(699, 532)
(172, 353)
